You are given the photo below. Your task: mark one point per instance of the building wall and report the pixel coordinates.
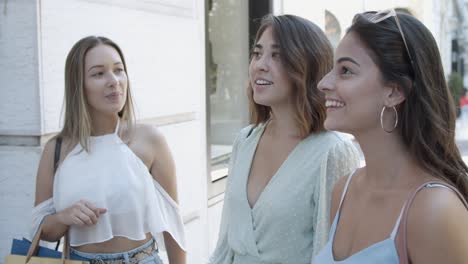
(20, 115)
(19, 107)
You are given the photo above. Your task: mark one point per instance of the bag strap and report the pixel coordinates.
(58, 147)
(250, 132)
(33, 249)
(402, 243)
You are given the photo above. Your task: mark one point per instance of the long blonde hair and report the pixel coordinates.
(77, 124)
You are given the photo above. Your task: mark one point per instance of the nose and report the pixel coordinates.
(261, 63)
(326, 83)
(113, 80)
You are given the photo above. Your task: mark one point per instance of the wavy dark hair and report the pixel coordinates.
(427, 116)
(307, 56)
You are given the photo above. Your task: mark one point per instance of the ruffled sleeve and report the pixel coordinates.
(341, 160)
(223, 253)
(38, 213)
(168, 219)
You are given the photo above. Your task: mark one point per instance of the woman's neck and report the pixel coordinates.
(102, 125)
(388, 161)
(283, 124)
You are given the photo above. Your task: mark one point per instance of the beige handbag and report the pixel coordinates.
(32, 258)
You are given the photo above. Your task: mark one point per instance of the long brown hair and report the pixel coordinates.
(427, 116)
(307, 55)
(77, 126)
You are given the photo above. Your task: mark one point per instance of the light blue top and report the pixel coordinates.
(289, 222)
(383, 252)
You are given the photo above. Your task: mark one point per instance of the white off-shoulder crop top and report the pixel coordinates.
(111, 176)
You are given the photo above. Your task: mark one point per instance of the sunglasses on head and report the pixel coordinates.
(376, 17)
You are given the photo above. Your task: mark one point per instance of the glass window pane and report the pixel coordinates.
(227, 66)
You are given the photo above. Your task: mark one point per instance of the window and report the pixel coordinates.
(332, 28)
(229, 27)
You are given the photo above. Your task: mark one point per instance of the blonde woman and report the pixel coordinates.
(114, 190)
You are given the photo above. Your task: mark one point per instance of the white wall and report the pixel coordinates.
(17, 185)
(162, 52)
(19, 86)
(20, 115)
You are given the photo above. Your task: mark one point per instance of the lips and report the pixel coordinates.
(261, 81)
(334, 104)
(114, 96)
(261, 85)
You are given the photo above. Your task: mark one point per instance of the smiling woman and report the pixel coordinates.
(388, 89)
(114, 188)
(284, 164)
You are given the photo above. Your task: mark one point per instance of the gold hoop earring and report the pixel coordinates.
(396, 119)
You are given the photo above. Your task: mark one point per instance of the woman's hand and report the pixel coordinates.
(82, 213)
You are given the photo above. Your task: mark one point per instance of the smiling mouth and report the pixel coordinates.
(263, 82)
(334, 104)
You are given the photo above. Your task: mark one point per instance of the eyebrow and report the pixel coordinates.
(99, 66)
(259, 46)
(342, 59)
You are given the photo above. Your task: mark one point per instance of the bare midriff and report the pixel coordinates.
(114, 245)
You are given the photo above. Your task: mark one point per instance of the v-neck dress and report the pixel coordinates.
(289, 222)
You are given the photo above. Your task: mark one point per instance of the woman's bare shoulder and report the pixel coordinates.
(438, 212)
(147, 133)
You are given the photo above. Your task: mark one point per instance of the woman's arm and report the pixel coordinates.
(163, 171)
(52, 229)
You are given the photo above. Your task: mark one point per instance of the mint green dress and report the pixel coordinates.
(289, 223)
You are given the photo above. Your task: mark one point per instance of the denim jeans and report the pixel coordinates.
(102, 258)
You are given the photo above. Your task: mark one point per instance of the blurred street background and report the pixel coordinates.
(461, 135)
